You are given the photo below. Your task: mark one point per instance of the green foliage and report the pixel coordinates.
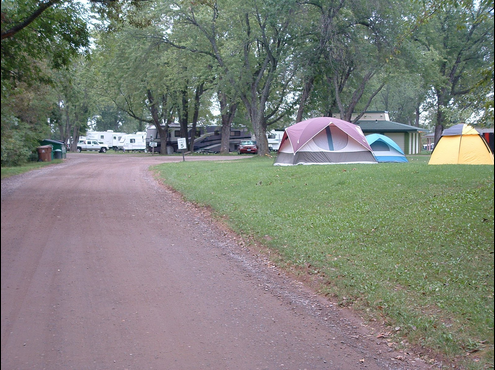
(71, 112)
(263, 53)
(24, 115)
(109, 117)
(458, 41)
(55, 37)
(131, 65)
(409, 244)
(30, 58)
(19, 144)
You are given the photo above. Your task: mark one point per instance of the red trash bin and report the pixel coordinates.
(45, 153)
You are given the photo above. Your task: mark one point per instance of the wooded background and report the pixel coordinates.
(122, 65)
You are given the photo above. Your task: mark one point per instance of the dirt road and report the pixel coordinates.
(103, 268)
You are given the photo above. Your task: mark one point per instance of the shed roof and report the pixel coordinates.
(52, 141)
(381, 126)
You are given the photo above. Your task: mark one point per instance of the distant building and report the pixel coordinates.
(378, 122)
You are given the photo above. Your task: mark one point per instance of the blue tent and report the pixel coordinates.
(385, 149)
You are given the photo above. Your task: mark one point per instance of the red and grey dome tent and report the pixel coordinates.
(323, 140)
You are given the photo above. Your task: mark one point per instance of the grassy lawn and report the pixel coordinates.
(11, 171)
(407, 244)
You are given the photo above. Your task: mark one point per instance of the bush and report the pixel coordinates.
(14, 150)
(19, 143)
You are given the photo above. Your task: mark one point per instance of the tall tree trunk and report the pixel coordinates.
(197, 99)
(308, 87)
(163, 132)
(157, 120)
(256, 115)
(440, 121)
(225, 133)
(256, 109)
(75, 131)
(184, 116)
(228, 110)
(75, 139)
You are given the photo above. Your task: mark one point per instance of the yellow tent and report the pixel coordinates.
(461, 144)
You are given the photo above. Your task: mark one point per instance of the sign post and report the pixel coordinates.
(152, 145)
(181, 144)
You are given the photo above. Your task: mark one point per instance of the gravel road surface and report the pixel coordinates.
(104, 268)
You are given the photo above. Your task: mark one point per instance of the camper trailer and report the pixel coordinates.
(210, 138)
(274, 138)
(133, 142)
(116, 136)
(207, 138)
(109, 137)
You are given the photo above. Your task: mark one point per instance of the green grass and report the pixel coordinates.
(408, 245)
(11, 171)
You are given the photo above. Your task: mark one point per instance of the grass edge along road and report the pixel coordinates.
(17, 170)
(408, 245)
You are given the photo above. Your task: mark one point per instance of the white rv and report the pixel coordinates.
(274, 138)
(116, 136)
(109, 137)
(133, 142)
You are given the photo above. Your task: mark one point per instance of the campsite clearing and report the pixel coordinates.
(409, 245)
(102, 265)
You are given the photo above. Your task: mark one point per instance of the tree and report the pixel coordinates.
(129, 73)
(38, 38)
(33, 31)
(150, 81)
(24, 121)
(109, 117)
(206, 71)
(355, 49)
(459, 41)
(314, 46)
(251, 44)
(33, 11)
(402, 98)
(72, 112)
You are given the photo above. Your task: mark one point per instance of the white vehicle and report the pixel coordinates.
(109, 137)
(116, 137)
(91, 144)
(274, 138)
(133, 142)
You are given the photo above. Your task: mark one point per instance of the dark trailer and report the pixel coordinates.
(207, 138)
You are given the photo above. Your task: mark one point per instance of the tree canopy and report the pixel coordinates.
(265, 63)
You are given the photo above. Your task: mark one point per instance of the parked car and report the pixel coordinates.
(247, 146)
(91, 144)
